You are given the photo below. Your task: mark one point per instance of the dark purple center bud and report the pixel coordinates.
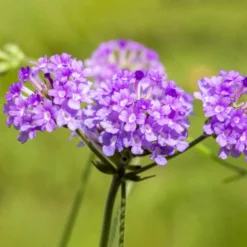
(139, 75)
(172, 92)
(122, 43)
(172, 114)
(245, 81)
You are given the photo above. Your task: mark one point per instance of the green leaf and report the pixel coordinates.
(3, 55)
(78, 199)
(105, 167)
(4, 67)
(14, 51)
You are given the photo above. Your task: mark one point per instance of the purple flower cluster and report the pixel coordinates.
(111, 56)
(140, 111)
(131, 107)
(47, 95)
(227, 117)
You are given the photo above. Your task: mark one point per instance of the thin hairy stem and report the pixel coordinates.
(122, 214)
(70, 224)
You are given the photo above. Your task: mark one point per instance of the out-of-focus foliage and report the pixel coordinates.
(11, 57)
(186, 205)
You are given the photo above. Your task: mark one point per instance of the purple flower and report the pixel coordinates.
(18, 110)
(77, 69)
(131, 117)
(45, 116)
(59, 92)
(64, 118)
(227, 116)
(14, 91)
(159, 111)
(219, 108)
(148, 129)
(78, 93)
(231, 76)
(159, 152)
(141, 113)
(41, 65)
(137, 146)
(58, 62)
(63, 74)
(237, 118)
(110, 143)
(123, 98)
(28, 129)
(134, 140)
(111, 56)
(60, 88)
(24, 74)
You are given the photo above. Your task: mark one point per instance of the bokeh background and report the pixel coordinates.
(187, 204)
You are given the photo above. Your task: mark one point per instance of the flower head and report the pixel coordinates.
(139, 112)
(136, 111)
(111, 56)
(227, 116)
(48, 95)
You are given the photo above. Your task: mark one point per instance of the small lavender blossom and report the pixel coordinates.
(60, 88)
(134, 111)
(58, 92)
(14, 91)
(44, 116)
(227, 115)
(132, 117)
(111, 56)
(24, 74)
(159, 152)
(78, 93)
(65, 118)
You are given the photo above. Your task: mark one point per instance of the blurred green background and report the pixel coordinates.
(187, 204)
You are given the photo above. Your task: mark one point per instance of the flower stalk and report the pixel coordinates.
(191, 144)
(109, 206)
(122, 214)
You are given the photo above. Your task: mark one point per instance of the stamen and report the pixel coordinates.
(36, 84)
(26, 90)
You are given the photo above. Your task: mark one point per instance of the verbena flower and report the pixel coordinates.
(47, 95)
(227, 116)
(111, 56)
(139, 112)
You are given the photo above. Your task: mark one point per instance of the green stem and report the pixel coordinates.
(241, 171)
(115, 184)
(115, 224)
(77, 203)
(191, 144)
(122, 214)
